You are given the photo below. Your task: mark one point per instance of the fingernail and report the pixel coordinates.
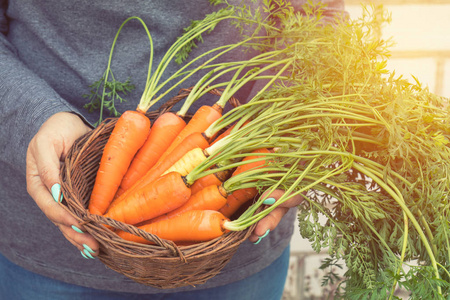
(88, 254)
(83, 254)
(88, 248)
(56, 192)
(269, 201)
(261, 237)
(77, 229)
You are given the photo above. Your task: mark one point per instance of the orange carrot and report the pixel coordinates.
(200, 121)
(195, 140)
(226, 133)
(165, 194)
(190, 226)
(212, 197)
(236, 200)
(252, 165)
(190, 137)
(129, 134)
(221, 136)
(216, 178)
(241, 196)
(164, 130)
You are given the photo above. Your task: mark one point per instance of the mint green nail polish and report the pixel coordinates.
(261, 237)
(83, 255)
(265, 234)
(56, 191)
(88, 254)
(257, 242)
(88, 248)
(77, 229)
(269, 201)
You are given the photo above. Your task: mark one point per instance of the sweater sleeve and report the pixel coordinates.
(26, 101)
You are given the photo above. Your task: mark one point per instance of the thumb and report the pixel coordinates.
(43, 182)
(48, 167)
(291, 201)
(273, 218)
(49, 146)
(43, 163)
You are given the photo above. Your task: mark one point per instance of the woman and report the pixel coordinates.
(49, 53)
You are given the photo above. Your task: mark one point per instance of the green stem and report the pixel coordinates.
(108, 68)
(402, 256)
(172, 51)
(399, 199)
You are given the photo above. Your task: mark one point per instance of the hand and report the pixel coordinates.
(45, 152)
(269, 222)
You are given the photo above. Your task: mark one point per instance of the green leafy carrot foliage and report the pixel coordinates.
(115, 92)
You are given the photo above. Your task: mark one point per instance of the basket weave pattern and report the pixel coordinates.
(162, 264)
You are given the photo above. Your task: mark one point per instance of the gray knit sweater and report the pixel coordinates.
(50, 51)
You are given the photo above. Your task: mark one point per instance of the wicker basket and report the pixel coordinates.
(163, 264)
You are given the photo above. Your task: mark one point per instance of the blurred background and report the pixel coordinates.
(421, 32)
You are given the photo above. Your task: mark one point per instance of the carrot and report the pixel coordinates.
(200, 121)
(216, 178)
(257, 164)
(194, 141)
(241, 196)
(190, 226)
(190, 137)
(212, 197)
(226, 133)
(164, 130)
(222, 135)
(165, 194)
(237, 199)
(188, 161)
(129, 134)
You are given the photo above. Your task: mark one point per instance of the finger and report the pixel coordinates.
(68, 224)
(49, 205)
(271, 198)
(47, 160)
(42, 175)
(273, 218)
(52, 142)
(44, 199)
(85, 243)
(267, 224)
